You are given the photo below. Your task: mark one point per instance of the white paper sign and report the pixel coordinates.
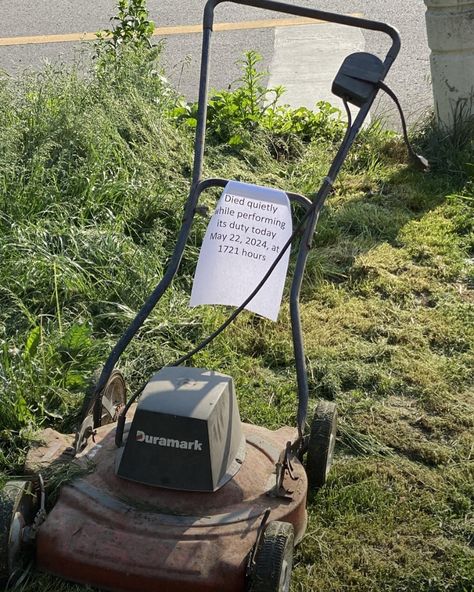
(247, 231)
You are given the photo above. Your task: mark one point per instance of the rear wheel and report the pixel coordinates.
(273, 562)
(105, 409)
(18, 507)
(322, 440)
(112, 399)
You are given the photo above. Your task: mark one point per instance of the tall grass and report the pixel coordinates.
(91, 183)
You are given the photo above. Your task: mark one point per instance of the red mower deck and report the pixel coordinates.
(124, 536)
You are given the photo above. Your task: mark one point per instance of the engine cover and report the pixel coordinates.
(186, 432)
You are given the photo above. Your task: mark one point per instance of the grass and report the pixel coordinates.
(93, 175)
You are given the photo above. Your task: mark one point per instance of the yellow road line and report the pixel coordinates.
(164, 31)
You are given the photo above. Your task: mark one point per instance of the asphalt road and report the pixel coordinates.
(409, 76)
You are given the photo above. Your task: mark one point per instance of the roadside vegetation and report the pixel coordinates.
(94, 171)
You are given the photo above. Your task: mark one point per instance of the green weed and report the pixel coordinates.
(248, 110)
(132, 31)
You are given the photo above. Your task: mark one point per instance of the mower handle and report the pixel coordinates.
(198, 185)
(313, 13)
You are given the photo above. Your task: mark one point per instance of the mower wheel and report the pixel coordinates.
(112, 399)
(273, 562)
(322, 440)
(18, 507)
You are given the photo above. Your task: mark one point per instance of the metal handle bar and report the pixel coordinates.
(305, 246)
(330, 17)
(198, 186)
(273, 6)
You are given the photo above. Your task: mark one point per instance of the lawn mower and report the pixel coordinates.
(172, 491)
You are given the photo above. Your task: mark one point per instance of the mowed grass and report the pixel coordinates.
(94, 172)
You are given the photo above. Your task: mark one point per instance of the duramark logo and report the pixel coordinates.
(168, 442)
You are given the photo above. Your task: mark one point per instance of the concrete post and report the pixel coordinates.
(450, 25)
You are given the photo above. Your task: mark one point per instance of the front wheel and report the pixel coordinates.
(18, 507)
(273, 562)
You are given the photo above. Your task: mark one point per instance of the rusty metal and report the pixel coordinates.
(251, 560)
(84, 433)
(123, 536)
(51, 448)
(30, 531)
(282, 468)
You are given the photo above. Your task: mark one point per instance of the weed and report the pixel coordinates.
(450, 150)
(236, 117)
(132, 31)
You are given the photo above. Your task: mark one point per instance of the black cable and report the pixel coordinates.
(349, 115)
(309, 212)
(420, 161)
(224, 325)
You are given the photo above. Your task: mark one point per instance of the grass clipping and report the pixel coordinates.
(94, 171)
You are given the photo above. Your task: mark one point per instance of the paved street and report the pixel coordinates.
(303, 58)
